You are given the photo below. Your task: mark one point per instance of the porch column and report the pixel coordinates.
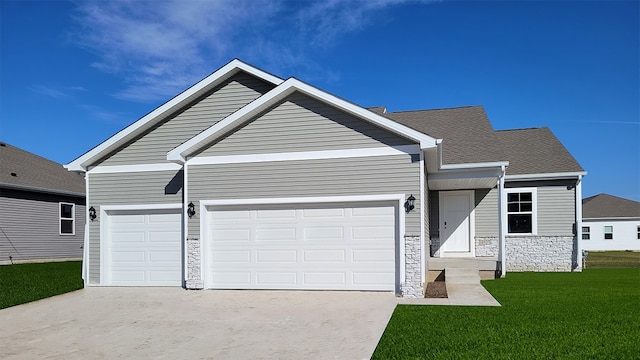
(502, 225)
(579, 224)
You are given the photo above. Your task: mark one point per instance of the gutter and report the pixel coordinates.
(41, 190)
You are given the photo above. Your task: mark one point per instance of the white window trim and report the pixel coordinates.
(534, 208)
(73, 219)
(604, 232)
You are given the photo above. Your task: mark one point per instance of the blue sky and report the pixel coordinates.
(74, 73)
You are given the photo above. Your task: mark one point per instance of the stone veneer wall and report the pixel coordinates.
(533, 253)
(487, 246)
(540, 253)
(194, 275)
(412, 286)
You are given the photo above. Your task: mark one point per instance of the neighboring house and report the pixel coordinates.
(610, 223)
(42, 209)
(249, 181)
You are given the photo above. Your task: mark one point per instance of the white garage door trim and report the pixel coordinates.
(397, 200)
(105, 234)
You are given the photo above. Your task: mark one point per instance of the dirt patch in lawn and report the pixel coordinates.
(436, 289)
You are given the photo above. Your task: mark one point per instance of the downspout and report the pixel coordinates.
(85, 246)
(578, 234)
(502, 224)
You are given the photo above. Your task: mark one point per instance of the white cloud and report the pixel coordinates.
(161, 47)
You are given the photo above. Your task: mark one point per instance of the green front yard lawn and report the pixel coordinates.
(22, 283)
(589, 315)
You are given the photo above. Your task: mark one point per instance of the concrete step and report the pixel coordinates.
(461, 276)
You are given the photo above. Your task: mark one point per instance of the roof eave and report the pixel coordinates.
(546, 176)
(41, 190)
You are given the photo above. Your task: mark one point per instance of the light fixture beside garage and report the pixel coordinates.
(92, 213)
(410, 203)
(191, 210)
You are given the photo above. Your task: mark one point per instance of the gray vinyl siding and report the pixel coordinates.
(555, 211)
(152, 147)
(301, 123)
(486, 212)
(141, 188)
(30, 227)
(328, 177)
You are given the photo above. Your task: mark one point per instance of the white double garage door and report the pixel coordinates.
(301, 246)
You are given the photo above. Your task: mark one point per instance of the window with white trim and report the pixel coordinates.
(521, 211)
(67, 219)
(586, 233)
(608, 232)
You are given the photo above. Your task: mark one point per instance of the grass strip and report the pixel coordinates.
(590, 315)
(22, 283)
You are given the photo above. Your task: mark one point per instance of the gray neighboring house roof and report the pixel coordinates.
(609, 206)
(469, 137)
(22, 170)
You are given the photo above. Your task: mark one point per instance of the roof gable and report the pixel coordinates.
(536, 151)
(167, 109)
(609, 206)
(466, 133)
(277, 95)
(35, 173)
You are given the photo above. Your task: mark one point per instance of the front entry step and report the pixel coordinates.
(461, 276)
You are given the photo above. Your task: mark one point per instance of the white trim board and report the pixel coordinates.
(113, 169)
(204, 85)
(304, 155)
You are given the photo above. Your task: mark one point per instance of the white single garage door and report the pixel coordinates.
(319, 247)
(144, 248)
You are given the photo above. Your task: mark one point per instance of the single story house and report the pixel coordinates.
(610, 223)
(42, 209)
(249, 181)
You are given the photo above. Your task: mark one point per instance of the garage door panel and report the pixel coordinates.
(325, 255)
(373, 255)
(231, 256)
(322, 247)
(276, 256)
(325, 279)
(230, 235)
(275, 234)
(335, 233)
(144, 248)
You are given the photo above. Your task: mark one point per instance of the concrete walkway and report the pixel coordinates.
(172, 323)
(459, 295)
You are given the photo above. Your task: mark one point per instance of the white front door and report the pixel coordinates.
(455, 223)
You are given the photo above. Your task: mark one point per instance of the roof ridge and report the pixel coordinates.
(527, 128)
(436, 109)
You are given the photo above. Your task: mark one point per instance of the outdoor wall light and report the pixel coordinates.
(92, 213)
(191, 210)
(410, 203)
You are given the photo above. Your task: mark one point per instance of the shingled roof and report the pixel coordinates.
(20, 169)
(466, 133)
(536, 151)
(609, 206)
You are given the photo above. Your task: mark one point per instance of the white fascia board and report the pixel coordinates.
(217, 77)
(473, 166)
(546, 176)
(291, 85)
(113, 169)
(168, 206)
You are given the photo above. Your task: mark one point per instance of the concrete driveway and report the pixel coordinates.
(170, 323)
